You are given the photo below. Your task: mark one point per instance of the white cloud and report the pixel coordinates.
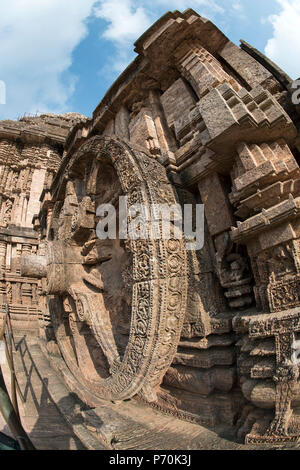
(37, 39)
(211, 6)
(127, 21)
(284, 47)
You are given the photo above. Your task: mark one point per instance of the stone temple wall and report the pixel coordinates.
(30, 154)
(209, 336)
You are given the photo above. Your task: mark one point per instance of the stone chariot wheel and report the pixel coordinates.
(117, 306)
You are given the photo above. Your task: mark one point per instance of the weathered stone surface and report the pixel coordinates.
(30, 153)
(209, 336)
(251, 71)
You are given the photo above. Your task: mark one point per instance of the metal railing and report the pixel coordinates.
(9, 403)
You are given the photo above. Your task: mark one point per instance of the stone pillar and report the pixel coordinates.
(18, 210)
(4, 178)
(18, 256)
(24, 212)
(122, 123)
(26, 294)
(9, 292)
(233, 271)
(8, 257)
(265, 193)
(201, 68)
(281, 328)
(2, 273)
(26, 249)
(142, 129)
(9, 180)
(49, 216)
(166, 139)
(16, 294)
(3, 298)
(216, 205)
(21, 180)
(2, 257)
(35, 295)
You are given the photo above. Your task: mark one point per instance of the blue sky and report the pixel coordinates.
(62, 55)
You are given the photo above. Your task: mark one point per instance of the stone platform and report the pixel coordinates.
(56, 419)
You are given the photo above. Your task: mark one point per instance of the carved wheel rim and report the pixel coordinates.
(159, 291)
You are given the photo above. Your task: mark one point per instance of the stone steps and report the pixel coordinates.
(45, 396)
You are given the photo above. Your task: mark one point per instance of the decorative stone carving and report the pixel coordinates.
(6, 212)
(158, 293)
(283, 327)
(207, 336)
(30, 152)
